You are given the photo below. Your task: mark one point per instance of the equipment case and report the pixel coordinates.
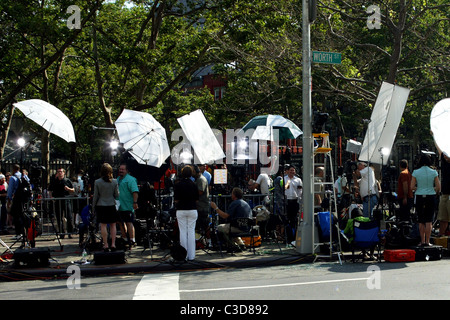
(32, 258)
(116, 257)
(399, 255)
(442, 241)
(428, 253)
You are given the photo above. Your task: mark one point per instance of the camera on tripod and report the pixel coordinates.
(350, 167)
(388, 177)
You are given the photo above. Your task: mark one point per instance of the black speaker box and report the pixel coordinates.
(32, 258)
(115, 257)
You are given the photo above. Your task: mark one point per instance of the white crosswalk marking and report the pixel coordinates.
(158, 287)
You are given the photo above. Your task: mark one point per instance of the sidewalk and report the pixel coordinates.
(67, 252)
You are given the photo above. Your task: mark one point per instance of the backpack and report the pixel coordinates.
(23, 191)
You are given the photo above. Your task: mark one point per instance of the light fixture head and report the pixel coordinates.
(385, 151)
(21, 142)
(114, 144)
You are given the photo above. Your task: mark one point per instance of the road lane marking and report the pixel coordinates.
(274, 285)
(158, 287)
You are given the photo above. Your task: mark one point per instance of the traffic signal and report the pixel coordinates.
(312, 7)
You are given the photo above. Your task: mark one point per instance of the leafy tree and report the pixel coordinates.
(143, 57)
(410, 49)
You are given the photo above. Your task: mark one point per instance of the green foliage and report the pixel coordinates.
(147, 54)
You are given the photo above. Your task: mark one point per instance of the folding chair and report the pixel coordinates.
(248, 228)
(366, 235)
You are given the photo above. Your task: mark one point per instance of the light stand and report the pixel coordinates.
(368, 167)
(386, 176)
(383, 152)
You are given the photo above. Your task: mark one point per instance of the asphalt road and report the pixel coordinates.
(317, 281)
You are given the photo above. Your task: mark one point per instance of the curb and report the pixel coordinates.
(169, 265)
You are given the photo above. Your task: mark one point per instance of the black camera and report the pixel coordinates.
(350, 167)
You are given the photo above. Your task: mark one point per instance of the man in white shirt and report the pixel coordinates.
(367, 188)
(205, 173)
(293, 192)
(262, 183)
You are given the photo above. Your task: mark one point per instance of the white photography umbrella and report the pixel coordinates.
(47, 116)
(143, 137)
(439, 123)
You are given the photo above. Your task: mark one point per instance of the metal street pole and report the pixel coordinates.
(305, 232)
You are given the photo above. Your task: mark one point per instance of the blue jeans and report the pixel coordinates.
(373, 202)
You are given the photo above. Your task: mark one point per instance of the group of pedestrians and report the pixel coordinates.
(420, 189)
(16, 192)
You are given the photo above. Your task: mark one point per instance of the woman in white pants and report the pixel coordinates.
(186, 196)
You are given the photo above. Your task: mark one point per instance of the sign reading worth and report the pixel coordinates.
(326, 57)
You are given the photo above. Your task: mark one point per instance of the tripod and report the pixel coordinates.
(91, 240)
(156, 234)
(89, 223)
(18, 210)
(46, 211)
(209, 233)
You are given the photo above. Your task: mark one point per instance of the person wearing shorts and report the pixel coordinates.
(425, 182)
(128, 197)
(106, 190)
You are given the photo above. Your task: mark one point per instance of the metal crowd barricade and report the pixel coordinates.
(223, 201)
(59, 215)
(165, 203)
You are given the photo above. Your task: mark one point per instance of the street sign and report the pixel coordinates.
(326, 57)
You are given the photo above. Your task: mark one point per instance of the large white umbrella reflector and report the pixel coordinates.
(439, 123)
(48, 117)
(143, 137)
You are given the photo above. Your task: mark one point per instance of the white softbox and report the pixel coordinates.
(353, 146)
(382, 129)
(201, 137)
